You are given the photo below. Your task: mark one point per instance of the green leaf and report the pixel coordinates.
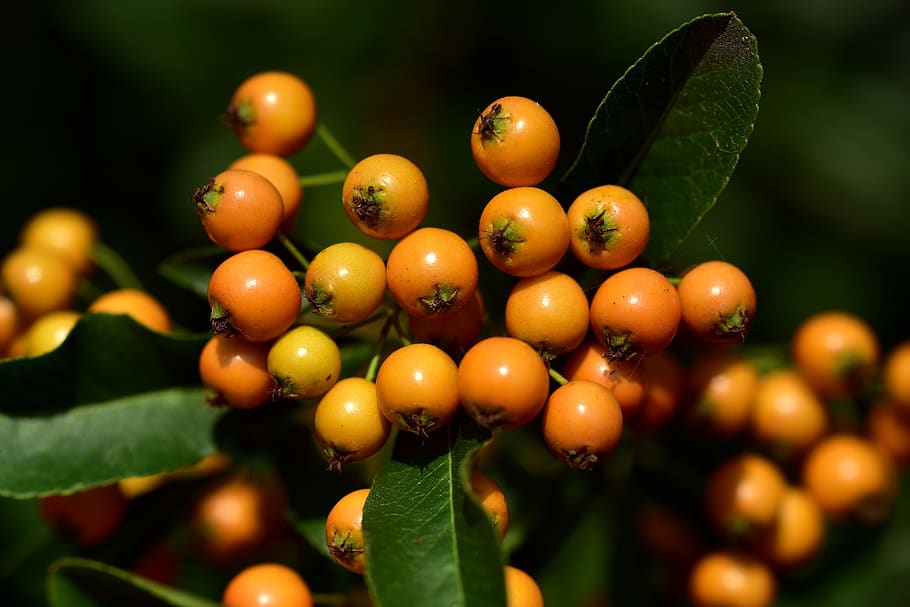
(114, 400)
(78, 582)
(671, 129)
(191, 269)
(428, 541)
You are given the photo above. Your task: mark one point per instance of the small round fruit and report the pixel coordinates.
(888, 426)
(609, 227)
(49, 331)
(521, 589)
(345, 282)
(254, 295)
(239, 209)
(431, 272)
(273, 113)
(237, 518)
(348, 423)
(9, 323)
(836, 352)
(582, 423)
(743, 494)
(717, 301)
(454, 333)
(304, 363)
(37, 281)
(270, 584)
(850, 478)
(625, 379)
(523, 231)
(68, 233)
(725, 578)
(796, 534)
(87, 517)
(502, 382)
(138, 305)
(235, 372)
(634, 313)
(344, 531)
(283, 176)
(515, 142)
(722, 388)
(896, 374)
(385, 196)
(787, 417)
(549, 312)
(664, 385)
(492, 499)
(417, 388)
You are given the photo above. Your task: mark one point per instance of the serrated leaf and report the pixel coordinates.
(671, 129)
(428, 541)
(77, 582)
(114, 400)
(191, 269)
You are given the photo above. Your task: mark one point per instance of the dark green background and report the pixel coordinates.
(113, 106)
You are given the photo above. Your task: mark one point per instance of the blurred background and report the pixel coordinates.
(113, 106)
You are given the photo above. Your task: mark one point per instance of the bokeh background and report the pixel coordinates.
(113, 106)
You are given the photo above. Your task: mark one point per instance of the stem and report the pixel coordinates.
(390, 321)
(373, 369)
(330, 178)
(559, 377)
(292, 249)
(322, 131)
(345, 329)
(115, 266)
(674, 280)
(473, 242)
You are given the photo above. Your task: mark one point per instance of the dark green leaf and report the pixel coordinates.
(77, 582)
(192, 269)
(114, 400)
(428, 541)
(671, 129)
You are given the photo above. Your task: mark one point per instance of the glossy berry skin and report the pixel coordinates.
(797, 533)
(68, 233)
(417, 388)
(235, 372)
(270, 584)
(87, 517)
(431, 272)
(273, 112)
(139, 305)
(455, 332)
(836, 352)
(743, 494)
(49, 331)
(625, 379)
(348, 422)
(9, 323)
(345, 282)
(37, 281)
(721, 390)
(896, 374)
(850, 478)
(549, 311)
(521, 589)
(239, 209)
(888, 426)
(726, 578)
(717, 301)
(492, 499)
(283, 176)
(304, 363)
(253, 295)
(515, 142)
(634, 313)
(582, 423)
(523, 231)
(609, 227)
(502, 382)
(344, 531)
(385, 196)
(787, 416)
